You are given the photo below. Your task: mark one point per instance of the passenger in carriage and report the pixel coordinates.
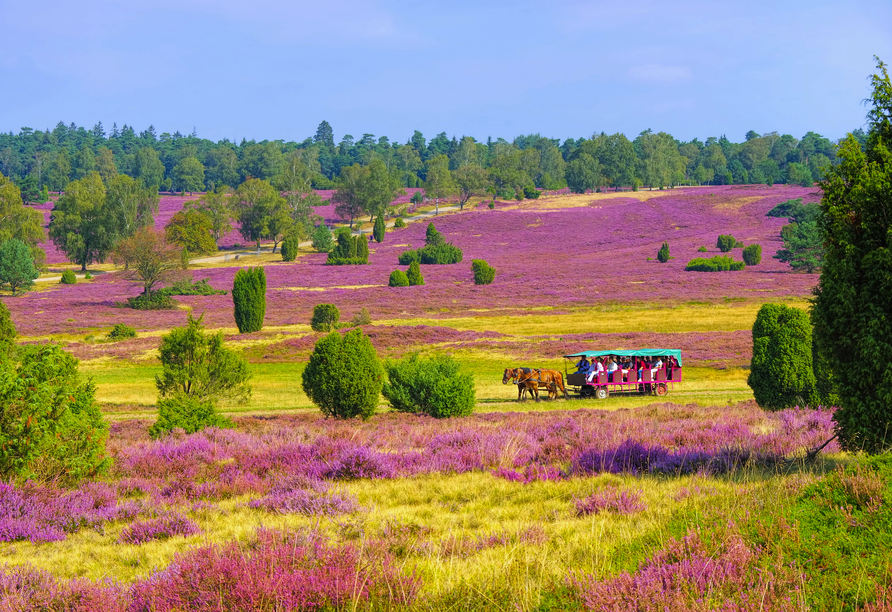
(611, 368)
(596, 370)
(657, 365)
(583, 366)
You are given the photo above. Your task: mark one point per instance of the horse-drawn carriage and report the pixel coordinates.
(644, 371)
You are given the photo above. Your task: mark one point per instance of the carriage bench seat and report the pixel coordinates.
(576, 379)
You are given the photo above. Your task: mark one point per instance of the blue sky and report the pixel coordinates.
(267, 69)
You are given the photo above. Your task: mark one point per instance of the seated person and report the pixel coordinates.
(656, 365)
(597, 369)
(611, 368)
(583, 366)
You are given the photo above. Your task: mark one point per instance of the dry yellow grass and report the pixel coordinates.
(559, 202)
(644, 319)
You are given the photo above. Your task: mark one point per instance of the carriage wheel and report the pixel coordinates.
(601, 393)
(662, 389)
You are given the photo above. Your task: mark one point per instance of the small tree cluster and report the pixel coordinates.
(435, 250)
(719, 263)
(434, 386)
(782, 369)
(484, 273)
(349, 250)
(752, 254)
(249, 299)
(68, 278)
(192, 230)
(325, 317)
(663, 253)
(344, 376)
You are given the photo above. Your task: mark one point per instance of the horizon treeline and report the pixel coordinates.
(53, 158)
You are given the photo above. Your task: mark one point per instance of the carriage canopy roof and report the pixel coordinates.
(649, 352)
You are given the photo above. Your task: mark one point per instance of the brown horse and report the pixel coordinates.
(554, 380)
(527, 380)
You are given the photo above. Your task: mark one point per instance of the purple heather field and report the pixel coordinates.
(562, 258)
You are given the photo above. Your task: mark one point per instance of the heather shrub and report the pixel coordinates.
(362, 318)
(782, 369)
(435, 386)
(398, 278)
(325, 317)
(414, 274)
(343, 376)
(121, 332)
(484, 273)
(399, 223)
(188, 413)
(309, 497)
(289, 247)
(663, 253)
(152, 300)
(25, 588)
(725, 243)
(160, 528)
(276, 571)
(249, 299)
(68, 278)
(752, 254)
(719, 263)
(50, 424)
(610, 499)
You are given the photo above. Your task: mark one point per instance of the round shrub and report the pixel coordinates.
(343, 376)
(289, 248)
(663, 253)
(188, 413)
(399, 223)
(398, 278)
(435, 386)
(325, 317)
(702, 249)
(726, 242)
(414, 274)
(782, 370)
(88, 276)
(752, 255)
(121, 332)
(249, 299)
(484, 273)
(68, 278)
